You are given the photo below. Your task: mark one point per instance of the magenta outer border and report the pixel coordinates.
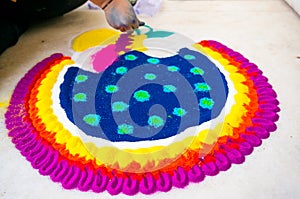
(49, 162)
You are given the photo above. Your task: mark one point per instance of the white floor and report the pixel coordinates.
(265, 31)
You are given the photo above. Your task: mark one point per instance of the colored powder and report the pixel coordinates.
(173, 68)
(155, 34)
(111, 88)
(125, 129)
(135, 101)
(189, 57)
(197, 71)
(187, 164)
(141, 96)
(94, 38)
(130, 57)
(169, 88)
(155, 121)
(119, 106)
(3, 104)
(179, 112)
(81, 78)
(137, 42)
(92, 119)
(110, 54)
(150, 76)
(80, 97)
(121, 70)
(153, 61)
(121, 44)
(159, 34)
(206, 103)
(204, 87)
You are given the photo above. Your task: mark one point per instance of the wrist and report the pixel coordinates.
(105, 4)
(102, 3)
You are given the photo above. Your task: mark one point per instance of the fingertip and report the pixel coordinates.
(123, 28)
(134, 26)
(126, 28)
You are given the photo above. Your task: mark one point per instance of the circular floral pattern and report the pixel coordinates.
(51, 147)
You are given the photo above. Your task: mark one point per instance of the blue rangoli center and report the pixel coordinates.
(144, 98)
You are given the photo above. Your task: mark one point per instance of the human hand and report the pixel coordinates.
(120, 15)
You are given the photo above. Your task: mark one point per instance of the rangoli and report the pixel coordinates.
(140, 112)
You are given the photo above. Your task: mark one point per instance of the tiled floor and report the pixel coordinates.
(265, 31)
